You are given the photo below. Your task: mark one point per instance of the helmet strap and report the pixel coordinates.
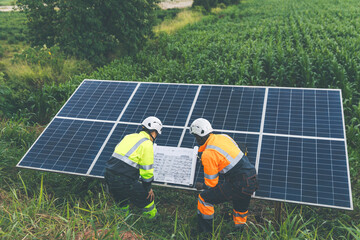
(149, 132)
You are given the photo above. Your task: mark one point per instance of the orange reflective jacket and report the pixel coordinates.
(220, 154)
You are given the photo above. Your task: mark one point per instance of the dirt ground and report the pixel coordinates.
(175, 4)
(6, 8)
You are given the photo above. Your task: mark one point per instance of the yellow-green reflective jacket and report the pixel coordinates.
(134, 156)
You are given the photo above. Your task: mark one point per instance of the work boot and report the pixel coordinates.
(125, 210)
(204, 225)
(150, 211)
(239, 228)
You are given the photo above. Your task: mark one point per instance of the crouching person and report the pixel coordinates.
(221, 155)
(133, 158)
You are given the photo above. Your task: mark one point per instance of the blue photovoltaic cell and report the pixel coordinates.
(304, 112)
(98, 100)
(169, 137)
(304, 170)
(230, 108)
(67, 146)
(170, 103)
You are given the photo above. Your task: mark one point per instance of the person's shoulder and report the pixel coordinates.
(149, 142)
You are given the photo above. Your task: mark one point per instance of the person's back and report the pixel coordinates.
(143, 152)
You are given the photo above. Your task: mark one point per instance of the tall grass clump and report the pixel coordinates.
(41, 215)
(182, 19)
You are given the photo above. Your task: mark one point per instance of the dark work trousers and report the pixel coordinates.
(237, 190)
(125, 190)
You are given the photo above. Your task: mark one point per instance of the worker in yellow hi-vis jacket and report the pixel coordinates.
(133, 158)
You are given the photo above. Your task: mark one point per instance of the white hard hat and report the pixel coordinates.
(201, 127)
(152, 123)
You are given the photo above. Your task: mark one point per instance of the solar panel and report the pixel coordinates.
(98, 100)
(304, 170)
(230, 108)
(304, 112)
(170, 103)
(295, 137)
(67, 145)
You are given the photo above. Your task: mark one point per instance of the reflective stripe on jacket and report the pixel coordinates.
(137, 151)
(220, 154)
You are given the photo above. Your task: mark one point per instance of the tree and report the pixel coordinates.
(89, 29)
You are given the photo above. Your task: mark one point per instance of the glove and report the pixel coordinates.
(199, 186)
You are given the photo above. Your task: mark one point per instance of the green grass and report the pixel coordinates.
(7, 2)
(12, 37)
(13, 26)
(40, 214)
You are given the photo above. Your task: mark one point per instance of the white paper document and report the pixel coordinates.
(175, 165)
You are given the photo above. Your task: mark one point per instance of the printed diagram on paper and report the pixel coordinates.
(175, 165)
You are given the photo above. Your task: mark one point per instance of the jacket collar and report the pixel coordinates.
(202, 148)
(145, 134)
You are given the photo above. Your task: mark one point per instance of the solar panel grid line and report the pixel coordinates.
(112, 130)
(261, 129)
(299, 136)
(288, 149)
(216, 85)
(234, 131)
(227, 109)
(272, 165)
(299, 202)
(86, 119)
(237, 115)
(189, 115)
(302, 111)
(62, 172)
(332, 174)
(251, 107)
(217, 103)
(302, 167)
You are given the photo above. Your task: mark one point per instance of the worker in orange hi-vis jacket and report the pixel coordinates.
(221, 155)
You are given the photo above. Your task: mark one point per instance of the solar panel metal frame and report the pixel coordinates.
(185, 128)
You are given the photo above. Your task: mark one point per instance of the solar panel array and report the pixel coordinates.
(295, 137)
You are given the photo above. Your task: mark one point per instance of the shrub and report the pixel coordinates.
(206, 4)
(90, 29)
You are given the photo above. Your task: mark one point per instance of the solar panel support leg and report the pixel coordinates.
(278, 210)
